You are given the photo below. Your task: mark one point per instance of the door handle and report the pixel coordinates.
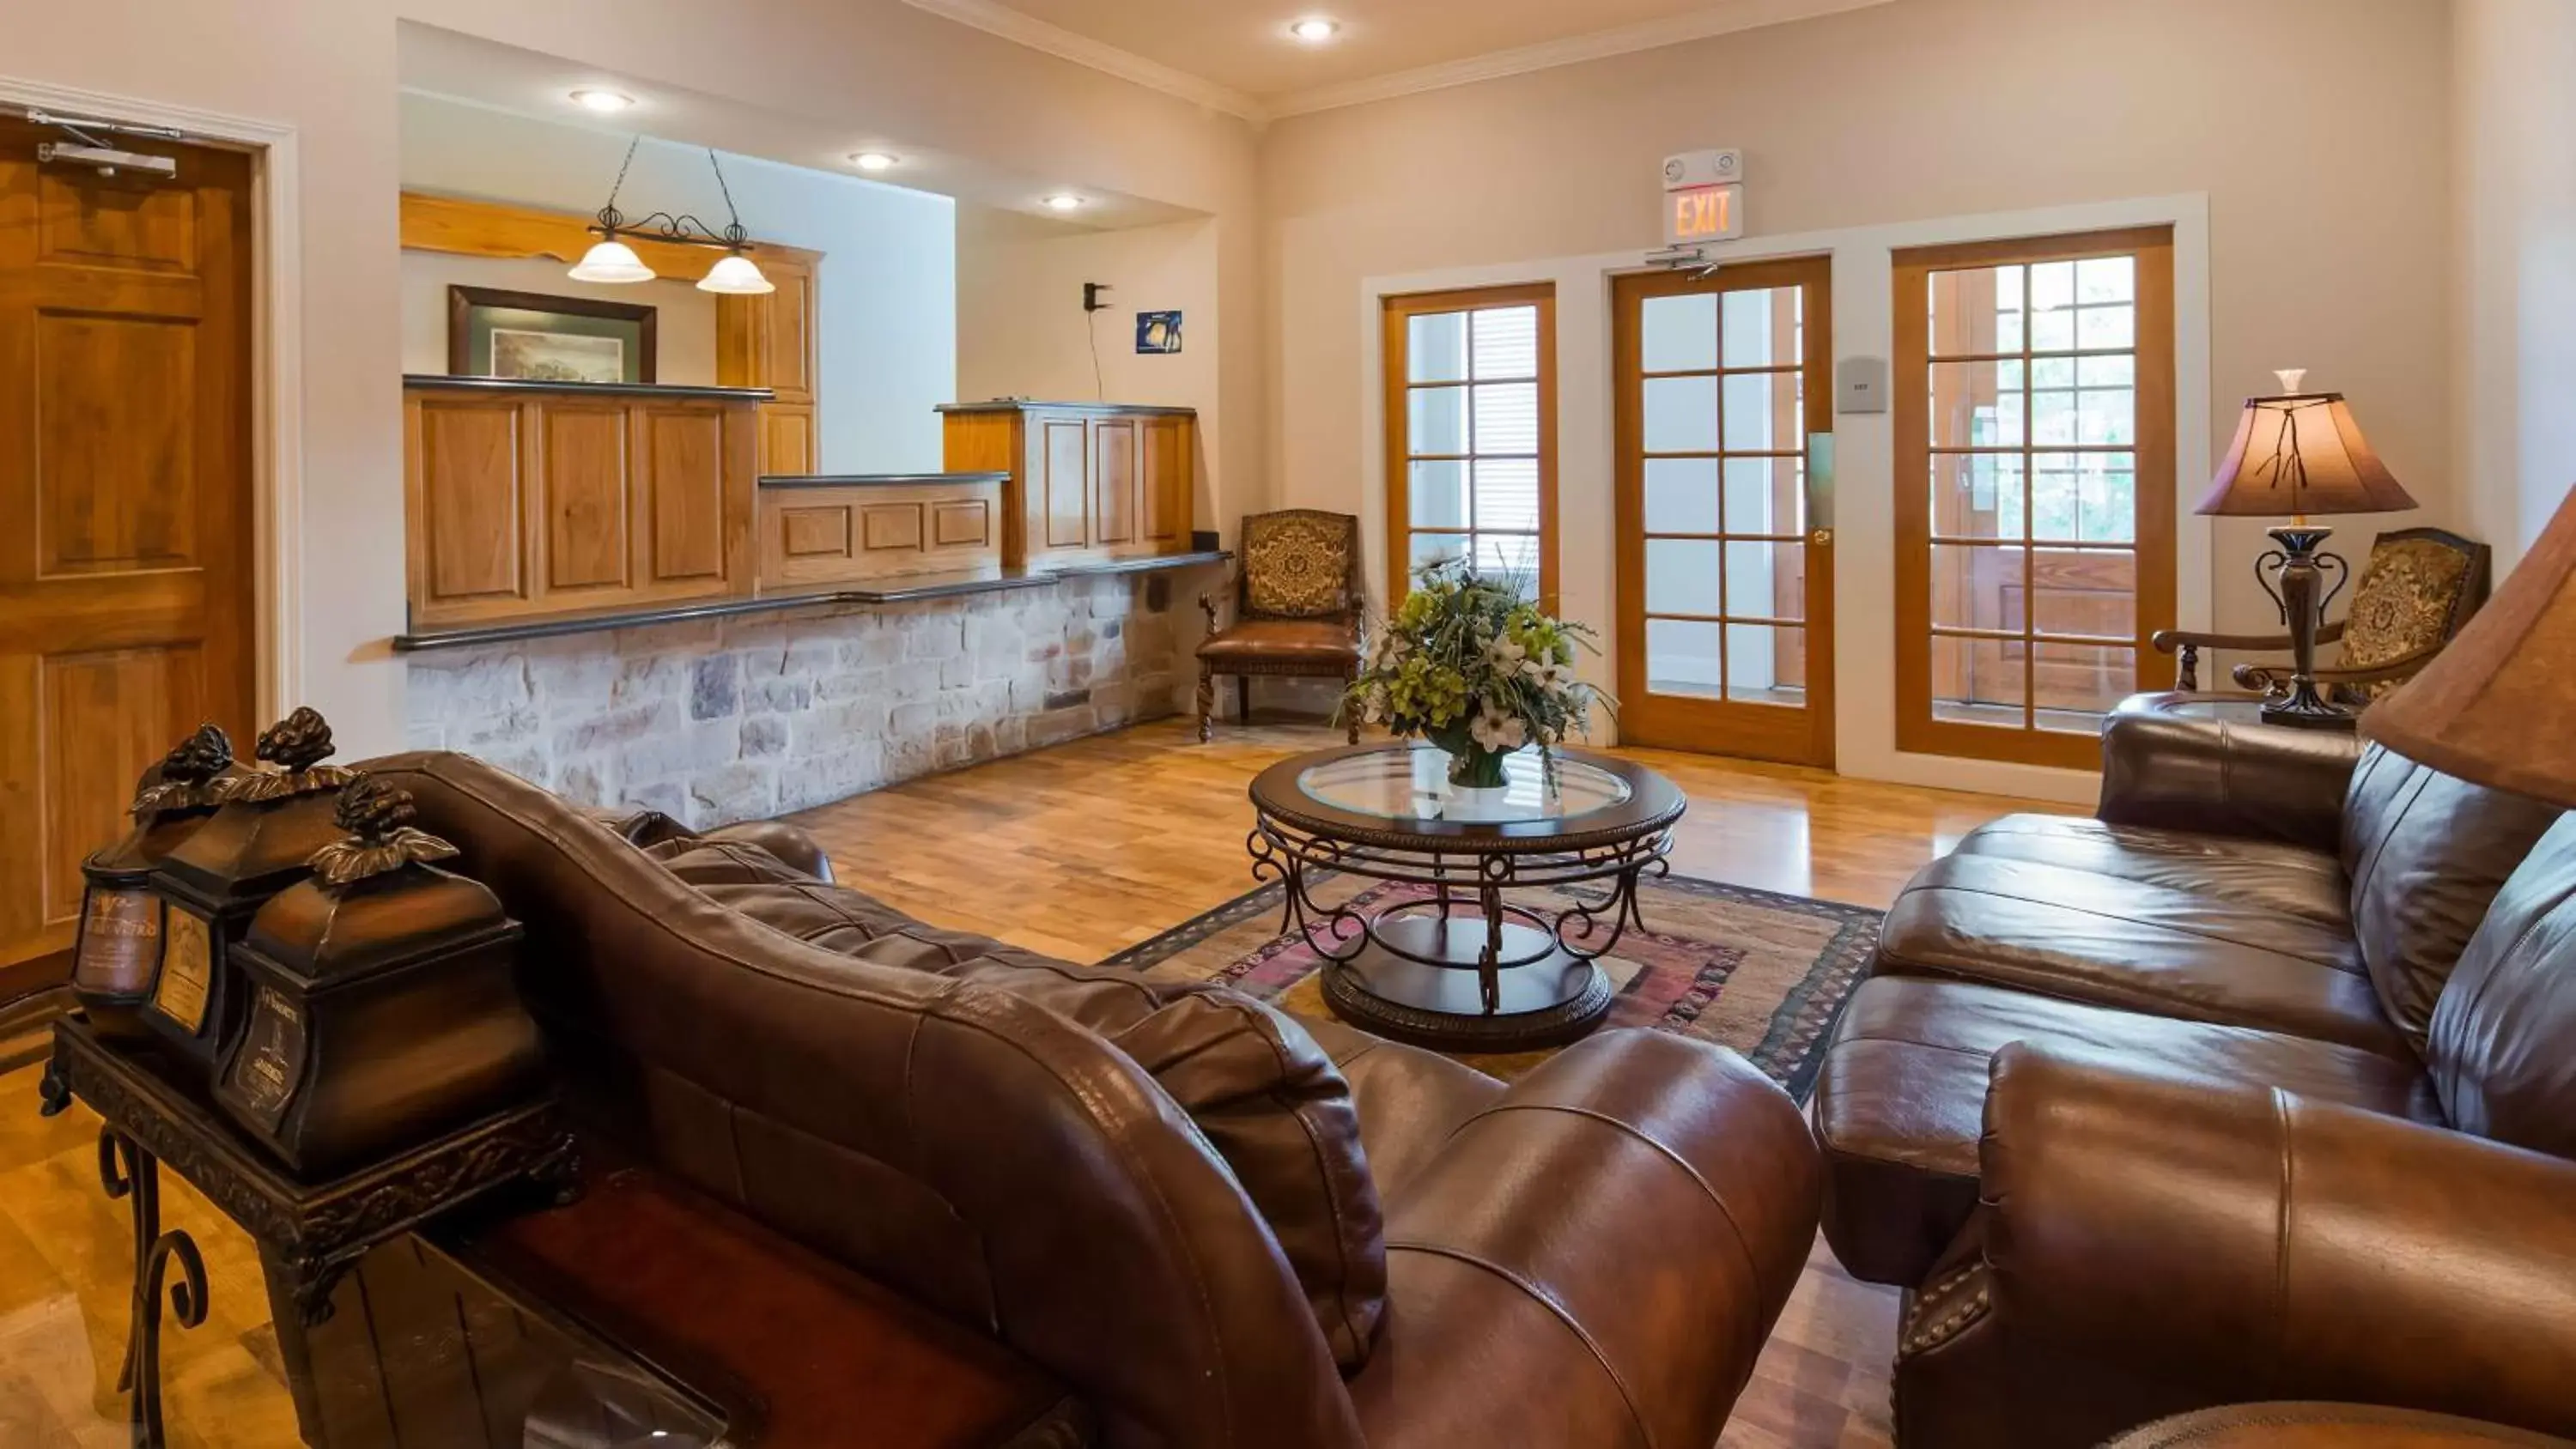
(1820, 489)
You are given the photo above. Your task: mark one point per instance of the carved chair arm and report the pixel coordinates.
(2405, 666)
(2185, 645)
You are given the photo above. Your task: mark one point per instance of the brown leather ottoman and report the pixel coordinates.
(2323, 1426)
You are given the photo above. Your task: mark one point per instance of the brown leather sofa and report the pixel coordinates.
(2261, 1085)
(1221, 1226)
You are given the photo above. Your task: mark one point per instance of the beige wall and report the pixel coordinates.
(326, 68)
(2514, 146)
(1021, 331)
(2298, 120)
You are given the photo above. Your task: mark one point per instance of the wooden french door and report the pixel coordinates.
(1726, 566)
(2035, 483)
(125, 521)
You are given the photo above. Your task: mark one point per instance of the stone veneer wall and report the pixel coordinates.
(745, 718)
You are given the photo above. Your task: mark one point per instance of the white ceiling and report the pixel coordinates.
(1238, 55)
(448, 66)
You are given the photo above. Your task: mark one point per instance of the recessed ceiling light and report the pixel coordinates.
(1315, 29)
(1064, 201)
(874, 161)
(599, 100)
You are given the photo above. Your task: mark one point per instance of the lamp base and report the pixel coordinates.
(2306, 709)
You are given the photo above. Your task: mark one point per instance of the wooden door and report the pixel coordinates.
(1726, 571)
(126, 566)
(2035, 396)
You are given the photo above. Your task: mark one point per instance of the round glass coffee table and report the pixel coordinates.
(1464, 968)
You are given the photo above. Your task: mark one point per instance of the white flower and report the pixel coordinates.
(1507, 656)
(1548, 675)
(1389, 651)
(1495, 730)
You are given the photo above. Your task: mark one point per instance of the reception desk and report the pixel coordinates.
(529, 500)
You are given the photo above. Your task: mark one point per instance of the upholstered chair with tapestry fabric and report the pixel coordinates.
(1297, 602)
(2418, 588)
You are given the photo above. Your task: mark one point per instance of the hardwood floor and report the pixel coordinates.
(1078, 851)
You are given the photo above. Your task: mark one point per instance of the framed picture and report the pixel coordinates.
(531, 335)
(1158, 332)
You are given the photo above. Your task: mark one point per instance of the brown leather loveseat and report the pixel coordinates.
(2261, 1085)
(1224, 1228)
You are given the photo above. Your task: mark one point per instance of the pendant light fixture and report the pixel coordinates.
(610, 259)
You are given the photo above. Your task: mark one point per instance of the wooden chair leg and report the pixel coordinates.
(1350, 716)
(1207, 701)
(1243, 699)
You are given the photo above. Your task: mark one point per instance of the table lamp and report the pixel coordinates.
(2297, 454)
(2492, 708)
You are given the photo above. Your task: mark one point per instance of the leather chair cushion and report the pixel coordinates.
(2150, 933)
(2273, 875)
(2427, 854)
(1900, 1100)
(2325, 1426)
(1268, 1099)
(2503, 1043)
(1282, 1117)
(1323, 644)
(1409, 1099)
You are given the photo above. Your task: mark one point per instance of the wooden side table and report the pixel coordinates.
(308, 1235)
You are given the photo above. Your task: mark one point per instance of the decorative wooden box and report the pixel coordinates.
(260, 842)
(381, 1009)
(116, 962)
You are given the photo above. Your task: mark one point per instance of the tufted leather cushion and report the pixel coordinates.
(2426, 853)
(1253, 1082)
(2500, 1050)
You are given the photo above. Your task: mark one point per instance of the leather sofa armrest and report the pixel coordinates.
(1609, 1243)
(792, 844)
(2258, 782)
(2245, 1244)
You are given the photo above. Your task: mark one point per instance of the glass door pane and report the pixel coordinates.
(1469, 434)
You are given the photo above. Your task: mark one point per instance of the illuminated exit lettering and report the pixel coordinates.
(1703, 214)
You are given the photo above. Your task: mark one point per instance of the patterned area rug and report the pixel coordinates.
(1764, 974)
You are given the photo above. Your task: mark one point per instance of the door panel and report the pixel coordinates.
(125, 525)
(1725, 592)
(1064, 468)
(1113, 481)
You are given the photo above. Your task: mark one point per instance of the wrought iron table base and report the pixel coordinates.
(1465, 970)
(127, 1171)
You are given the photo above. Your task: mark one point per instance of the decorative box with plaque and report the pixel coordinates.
(258, 843)
(116, 963)
(381, 1010)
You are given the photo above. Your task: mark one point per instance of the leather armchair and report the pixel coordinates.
(2150, 1244)
(1045, 1154)
(2325, 1426)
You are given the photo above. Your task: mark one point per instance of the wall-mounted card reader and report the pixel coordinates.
(1860, 385)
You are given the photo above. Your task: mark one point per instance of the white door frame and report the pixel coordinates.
(1864, 447)
(277, 361)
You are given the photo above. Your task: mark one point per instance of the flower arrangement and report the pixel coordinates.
(1472, 666)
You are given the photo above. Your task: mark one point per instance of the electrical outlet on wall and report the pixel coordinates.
(1093, 294)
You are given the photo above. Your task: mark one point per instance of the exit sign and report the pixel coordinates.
(1703, 197)
(1703, 214)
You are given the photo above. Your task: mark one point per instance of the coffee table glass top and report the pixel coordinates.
(1411, 782)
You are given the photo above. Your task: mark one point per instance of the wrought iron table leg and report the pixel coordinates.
(1489, 978)
(127, 1171)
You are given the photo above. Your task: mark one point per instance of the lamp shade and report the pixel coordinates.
(2301, 454)
(2494, 706)
(735, 275)
(611, 261)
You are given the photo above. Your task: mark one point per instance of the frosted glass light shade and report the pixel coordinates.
(736, 276)
(612, 261)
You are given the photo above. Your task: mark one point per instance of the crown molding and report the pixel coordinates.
(1720, 19)
(1055, 40)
